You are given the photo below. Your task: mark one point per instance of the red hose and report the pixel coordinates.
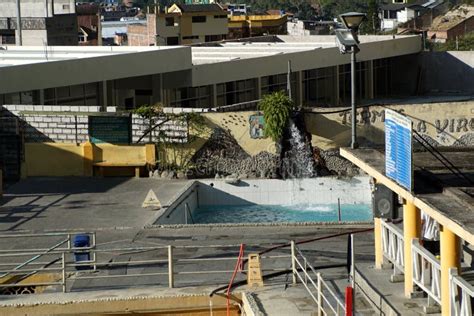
(238, 267)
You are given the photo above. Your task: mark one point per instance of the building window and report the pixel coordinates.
(345, 82)
(223, 16)
(236, 92)
(191, 37)
(65, 6)
(197, 97)
(7, 37)
(277, 83)
(319, 86)
(172, 41)
(169, 21)
(199, 19)
(382, 77)
(213, 38)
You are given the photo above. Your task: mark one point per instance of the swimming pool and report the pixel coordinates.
(214, 201)
(280, 213)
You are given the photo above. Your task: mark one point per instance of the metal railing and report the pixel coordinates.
(248, 105)
(426, 272)
(461, 295)
(393, 246)
(169, 262)
(327, 301)
(20, 271)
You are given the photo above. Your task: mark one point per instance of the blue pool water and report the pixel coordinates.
(277, 213)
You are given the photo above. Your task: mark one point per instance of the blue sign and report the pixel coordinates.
(398, 149)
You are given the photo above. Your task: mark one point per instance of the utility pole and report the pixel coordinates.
(18, 24)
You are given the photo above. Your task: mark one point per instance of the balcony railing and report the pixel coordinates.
(393, 246)
(461, 295)
(426, 272)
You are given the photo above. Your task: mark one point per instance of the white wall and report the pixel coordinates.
(324, 190)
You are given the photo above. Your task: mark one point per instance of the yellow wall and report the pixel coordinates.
(446, 123)
(238, 125)
(118, 153)
(53, 160)
(59, 160)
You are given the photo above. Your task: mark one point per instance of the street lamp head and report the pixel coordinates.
(352, 20)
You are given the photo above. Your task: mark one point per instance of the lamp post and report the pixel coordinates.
(349, 43)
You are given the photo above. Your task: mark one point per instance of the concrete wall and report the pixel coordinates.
(70, 124)
(37, 8)
(448, 72)
(53, 160)
(61, 159)
(286, 192)
(42, 125)
(443, 124)
(188, 197)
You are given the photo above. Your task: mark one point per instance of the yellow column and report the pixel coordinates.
(411, 229)
(450, 258)
(88, 156)
(378, 242)
(150, 155)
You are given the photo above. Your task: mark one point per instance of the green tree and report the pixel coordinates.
(276, 113)
(372, 24)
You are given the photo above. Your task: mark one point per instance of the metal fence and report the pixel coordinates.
(164, 265)
(327, 301)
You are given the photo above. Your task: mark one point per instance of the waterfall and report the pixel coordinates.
(297, 160)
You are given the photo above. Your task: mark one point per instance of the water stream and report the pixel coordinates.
(297, 161)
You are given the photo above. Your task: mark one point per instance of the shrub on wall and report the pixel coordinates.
(276, 112)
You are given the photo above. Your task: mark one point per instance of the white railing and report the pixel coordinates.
(328, 302)
(461, 295)
(426, 272)
(393, 246)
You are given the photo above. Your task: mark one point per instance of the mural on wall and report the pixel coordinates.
(256, 126)
(442, 124)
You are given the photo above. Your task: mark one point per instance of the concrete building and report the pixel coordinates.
(242, 26)
(182, 24)
(207, 77)
(398, 12)
(43, 22)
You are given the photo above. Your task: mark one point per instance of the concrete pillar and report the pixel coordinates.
(259, 88)
(378, 242)
(156, 87)
(104, 99)
(450, 258)
(214, 96)
(41, 96)
(411, 229)
(299, 89)
(370, 79)
(336, 85)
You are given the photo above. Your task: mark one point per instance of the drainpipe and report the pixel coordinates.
(18, 23)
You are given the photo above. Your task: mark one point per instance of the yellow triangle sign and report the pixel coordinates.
(151, 200)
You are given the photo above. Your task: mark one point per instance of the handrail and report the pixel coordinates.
(461, 294)
(393, 246)
(34, 258)
(426, 271)
(320, 286)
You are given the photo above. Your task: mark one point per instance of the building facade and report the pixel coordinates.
(208, 77)
(43, 22)
(181, 24)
